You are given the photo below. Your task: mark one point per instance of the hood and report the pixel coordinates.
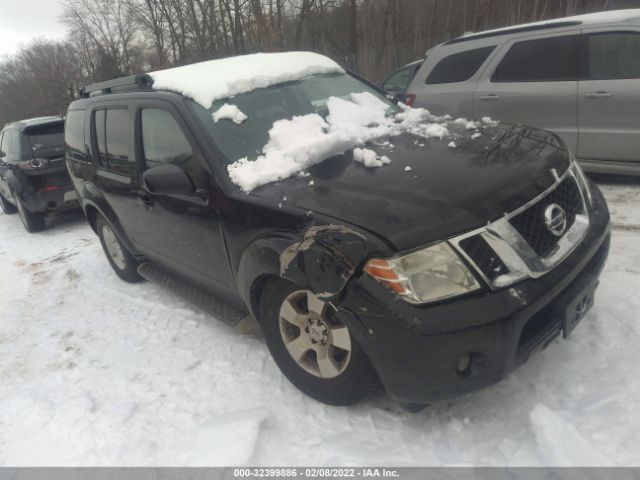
(431, 190)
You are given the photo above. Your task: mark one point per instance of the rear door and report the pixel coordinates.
(609, 96)
(182, 232)
(534, 81)
(116, 173)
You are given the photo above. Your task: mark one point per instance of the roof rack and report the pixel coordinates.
(508, 31)
(133, 82)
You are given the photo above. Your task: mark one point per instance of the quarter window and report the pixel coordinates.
(399, 81)
(163, 141)
(74, 134)
(614, 56)
(459, 67)
(4, 144)
(546, 60)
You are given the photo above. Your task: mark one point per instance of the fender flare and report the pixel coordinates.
(91, 199)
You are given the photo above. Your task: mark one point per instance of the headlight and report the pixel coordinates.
(582, 179)
(433, 273)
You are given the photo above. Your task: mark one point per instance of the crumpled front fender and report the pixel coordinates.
(325, 259)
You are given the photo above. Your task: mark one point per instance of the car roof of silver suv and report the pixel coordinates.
(599, 18)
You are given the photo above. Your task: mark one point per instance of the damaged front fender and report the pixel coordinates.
(325, 259)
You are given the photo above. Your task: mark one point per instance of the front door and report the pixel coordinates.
(609, 96)
(182, 232)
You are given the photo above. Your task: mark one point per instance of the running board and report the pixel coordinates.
(196, 296)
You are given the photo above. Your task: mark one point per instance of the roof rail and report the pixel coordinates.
(510, 30)
(133, 82)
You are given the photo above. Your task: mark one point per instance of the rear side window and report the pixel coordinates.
(546, 60)
(459, 66)
(101, 144)
(614, 56)
(112, 130)
(74, 134)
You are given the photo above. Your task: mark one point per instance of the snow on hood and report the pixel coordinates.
(302, 141)
(206, 82)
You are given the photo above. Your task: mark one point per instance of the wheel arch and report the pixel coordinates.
(94, 206)
(322, 259)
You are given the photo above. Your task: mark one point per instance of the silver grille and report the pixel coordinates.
(521, 244)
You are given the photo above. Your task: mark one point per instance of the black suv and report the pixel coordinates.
(33, 176)
(432, 275)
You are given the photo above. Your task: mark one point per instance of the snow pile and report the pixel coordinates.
(206, 82)
(559, 442)
(227, 439)
(369, 158)
(229, 112)
(363, 110)
(302, 141)
(305, 140)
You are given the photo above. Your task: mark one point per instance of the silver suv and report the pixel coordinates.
(577, 76)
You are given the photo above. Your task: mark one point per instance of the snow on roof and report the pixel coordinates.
(206, 82)
(587, 19)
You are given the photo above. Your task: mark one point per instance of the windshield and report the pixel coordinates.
(265, 106)
(46, 137)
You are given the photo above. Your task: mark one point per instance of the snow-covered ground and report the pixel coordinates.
(94, 371)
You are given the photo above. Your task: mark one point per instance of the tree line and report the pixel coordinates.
(113, 38)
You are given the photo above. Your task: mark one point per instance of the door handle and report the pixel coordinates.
(145, 199)
(490, 96)
(599, 95)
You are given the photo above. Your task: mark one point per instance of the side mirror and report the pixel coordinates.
(168, 179)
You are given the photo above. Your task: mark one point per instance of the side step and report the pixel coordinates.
(193, 294)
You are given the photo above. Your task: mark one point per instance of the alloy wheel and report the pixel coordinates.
(318, 342)
(113, 247)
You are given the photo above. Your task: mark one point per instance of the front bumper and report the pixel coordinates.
(417, 350)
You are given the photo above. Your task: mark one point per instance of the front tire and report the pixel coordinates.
(122, 262)
(314, 350)
(33, 221)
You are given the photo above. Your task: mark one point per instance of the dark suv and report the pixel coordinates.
(33, 176)
(430, 260)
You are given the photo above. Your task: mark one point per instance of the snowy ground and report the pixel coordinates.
(94, 371)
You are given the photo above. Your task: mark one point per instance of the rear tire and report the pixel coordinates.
(122, 262)
(7, 207)
(33, 221)
(331, 366)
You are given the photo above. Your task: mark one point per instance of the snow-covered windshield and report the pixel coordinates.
(240, 126)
